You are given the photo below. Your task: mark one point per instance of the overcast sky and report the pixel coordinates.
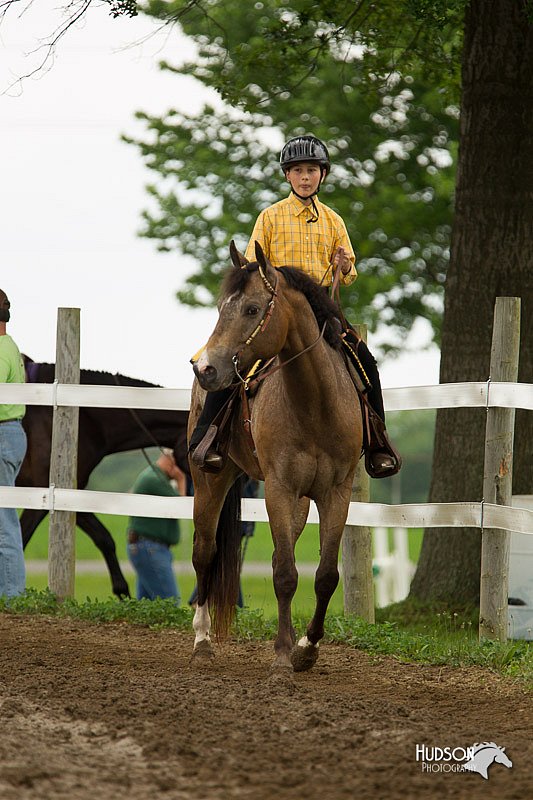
(72, 194)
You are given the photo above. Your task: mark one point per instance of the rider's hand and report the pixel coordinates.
(341, 257)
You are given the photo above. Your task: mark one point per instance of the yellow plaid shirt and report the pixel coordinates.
(288, 239)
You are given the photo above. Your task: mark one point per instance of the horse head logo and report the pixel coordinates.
(484, 755)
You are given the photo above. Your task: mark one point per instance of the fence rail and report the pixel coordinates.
(466, 514)
(486, 394)
(418, 515)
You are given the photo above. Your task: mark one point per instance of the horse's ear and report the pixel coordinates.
(264, 263)
(238, 259)
(260, 256)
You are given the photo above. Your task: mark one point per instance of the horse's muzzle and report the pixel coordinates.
(207, 375)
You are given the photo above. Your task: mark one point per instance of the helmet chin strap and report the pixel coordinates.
(309, 197)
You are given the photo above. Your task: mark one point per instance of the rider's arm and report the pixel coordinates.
(343, 240)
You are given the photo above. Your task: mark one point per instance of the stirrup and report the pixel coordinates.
(380, 464)
(205, 456)
(381, 444)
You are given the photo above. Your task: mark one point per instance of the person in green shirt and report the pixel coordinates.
(12, 451)
(150, 538)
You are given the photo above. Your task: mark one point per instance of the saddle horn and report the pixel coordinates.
(239, 261)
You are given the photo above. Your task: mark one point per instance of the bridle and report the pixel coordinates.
(267, 368)
(263, 322)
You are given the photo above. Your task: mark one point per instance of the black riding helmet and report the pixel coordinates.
(304, 148)
(310, 149)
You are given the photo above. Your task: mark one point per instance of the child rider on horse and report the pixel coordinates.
(302, 232)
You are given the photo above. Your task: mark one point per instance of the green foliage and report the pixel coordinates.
(413, 433)
(393, 150)
(122, 8)
(274, 47)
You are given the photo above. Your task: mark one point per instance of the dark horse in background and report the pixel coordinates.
(307, 435)
(102, 431)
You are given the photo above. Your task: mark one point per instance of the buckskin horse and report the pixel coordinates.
(102, 431)
(306, 431)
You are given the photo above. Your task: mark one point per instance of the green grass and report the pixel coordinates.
(448, 640)
(259, 545)
(258, 591)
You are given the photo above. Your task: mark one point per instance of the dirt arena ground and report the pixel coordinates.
(114, 711)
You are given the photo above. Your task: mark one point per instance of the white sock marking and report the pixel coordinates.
(304, 642)
(201, 624)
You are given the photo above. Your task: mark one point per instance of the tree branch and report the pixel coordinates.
(74, 11)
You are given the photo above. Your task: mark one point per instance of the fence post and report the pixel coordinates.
(64, 456)
(498, 472)
(358, 584)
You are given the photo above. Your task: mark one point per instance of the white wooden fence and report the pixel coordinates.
(482, 515)
(419, 515)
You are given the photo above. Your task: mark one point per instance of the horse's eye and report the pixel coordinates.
(251, 311)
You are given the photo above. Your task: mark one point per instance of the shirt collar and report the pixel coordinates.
(297, 206)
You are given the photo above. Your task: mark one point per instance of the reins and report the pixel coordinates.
(269, 368)
(263, 372)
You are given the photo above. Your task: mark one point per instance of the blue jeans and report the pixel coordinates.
(12, 570)
(152, 562)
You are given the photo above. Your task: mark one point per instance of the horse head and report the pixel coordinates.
(501, 757)
(484, 755)
(243, 333)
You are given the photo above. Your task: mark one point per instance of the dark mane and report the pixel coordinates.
(46, 374)
(324, 309)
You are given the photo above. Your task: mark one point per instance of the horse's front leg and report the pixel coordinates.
(287, 515)
(333, 513)
(204, 547)
(209, 495)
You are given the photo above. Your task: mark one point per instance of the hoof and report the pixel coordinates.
(203, 653)
(304, 655)
(281, 664)
(281, 675)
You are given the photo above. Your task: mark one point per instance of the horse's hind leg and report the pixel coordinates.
(332, 520)
(98, 533)
(29, 521)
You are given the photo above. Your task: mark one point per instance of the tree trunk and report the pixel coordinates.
(491, 255)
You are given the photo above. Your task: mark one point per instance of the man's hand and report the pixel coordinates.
(341, 257)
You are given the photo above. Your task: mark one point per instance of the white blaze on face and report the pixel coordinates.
(203, 361)
(228, 300)
(201, 624)
(231, 307)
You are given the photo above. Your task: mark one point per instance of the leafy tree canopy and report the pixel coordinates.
(393, 150)
(274, 46)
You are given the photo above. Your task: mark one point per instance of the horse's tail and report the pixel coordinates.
(226, 566)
